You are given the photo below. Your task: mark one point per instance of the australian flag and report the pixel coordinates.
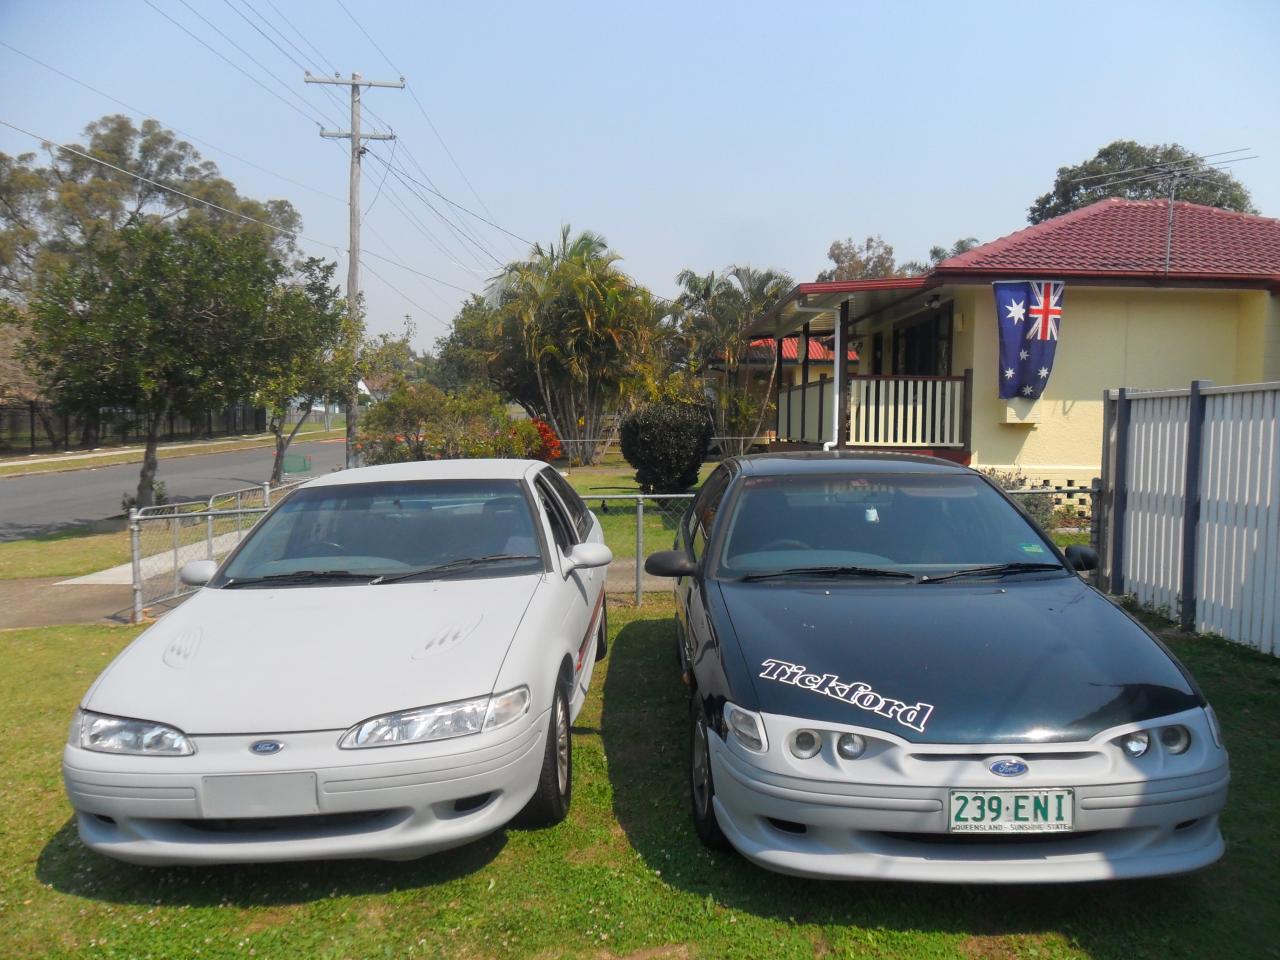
(1029, 313)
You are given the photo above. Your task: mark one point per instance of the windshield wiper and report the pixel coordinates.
(831, 571)
(454, 566)
(995, 570)
(297, 576)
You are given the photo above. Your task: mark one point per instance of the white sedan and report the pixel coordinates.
(389, 665)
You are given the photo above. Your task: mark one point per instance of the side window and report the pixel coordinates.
(561, 529)
(578, 510)
(703, 515)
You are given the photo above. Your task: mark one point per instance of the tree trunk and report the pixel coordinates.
(282, 443)
(147, 478)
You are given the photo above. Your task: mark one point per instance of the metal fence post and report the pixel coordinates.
(176, 523)
(1191, 502)
(135, 559)
(1096, 527)
(639, 548)
(266, 494)
(1120, 491)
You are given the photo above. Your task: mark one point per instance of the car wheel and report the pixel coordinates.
(550, 803)
(702, 789)
(602, 638)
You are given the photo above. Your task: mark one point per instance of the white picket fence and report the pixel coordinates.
(1192, 497)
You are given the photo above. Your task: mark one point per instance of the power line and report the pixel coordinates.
(147, 114)
(455, 204)
(331, 68)
(423, 110)
(466, 236)
(232, 63)
(258, 63)
(234, 213)
(404, 295)
(381, 183)
(448, 223)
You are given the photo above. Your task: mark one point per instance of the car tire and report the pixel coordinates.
(702, 789)
(550, 802)
(602, 638)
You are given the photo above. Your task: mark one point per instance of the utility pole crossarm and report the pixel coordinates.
(345, 135)
(397, 84)
(356, 83)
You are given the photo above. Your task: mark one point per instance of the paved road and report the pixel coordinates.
(43, 503)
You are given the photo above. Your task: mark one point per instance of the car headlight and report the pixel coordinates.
(443, 721)
(746, 727)
(142, 738)
(851, 746)
(1176, 739)
(806, 744)
(1135, 744)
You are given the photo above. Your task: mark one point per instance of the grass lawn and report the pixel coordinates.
(67, 553)
(623, 876)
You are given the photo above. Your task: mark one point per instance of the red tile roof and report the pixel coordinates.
(762, 350)
(1126, 239)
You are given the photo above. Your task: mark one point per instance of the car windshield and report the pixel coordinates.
(355, 533)
(878, 527)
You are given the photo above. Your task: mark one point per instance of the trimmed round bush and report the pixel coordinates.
(666, 442)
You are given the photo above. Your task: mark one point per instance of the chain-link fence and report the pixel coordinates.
(164, 538)
(635, 525)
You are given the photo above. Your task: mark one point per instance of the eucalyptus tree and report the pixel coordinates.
(306, 351)
(166, 319)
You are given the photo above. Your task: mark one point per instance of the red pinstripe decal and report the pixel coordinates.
(591, 632)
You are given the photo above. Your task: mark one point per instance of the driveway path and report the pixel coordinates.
(43, 503)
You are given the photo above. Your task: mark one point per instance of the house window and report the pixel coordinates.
(922, 344)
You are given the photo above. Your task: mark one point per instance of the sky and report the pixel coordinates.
(689, 134)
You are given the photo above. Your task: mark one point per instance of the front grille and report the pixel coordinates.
(315, 823)
(989, 839)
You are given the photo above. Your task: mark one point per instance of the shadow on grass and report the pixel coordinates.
(71, 868)
(645, 734)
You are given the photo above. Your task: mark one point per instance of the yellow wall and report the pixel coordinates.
(1111, 337)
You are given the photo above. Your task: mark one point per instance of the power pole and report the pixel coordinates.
(353, 251)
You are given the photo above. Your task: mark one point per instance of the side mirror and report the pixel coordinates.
(1081, 557)
(587, 555)
(196, 573)
(669, 563)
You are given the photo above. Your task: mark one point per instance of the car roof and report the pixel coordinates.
(842, 462)
(494, 469)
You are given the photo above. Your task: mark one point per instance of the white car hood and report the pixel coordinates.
(256, 660)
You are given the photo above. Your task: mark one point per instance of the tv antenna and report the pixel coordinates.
(1194, 168)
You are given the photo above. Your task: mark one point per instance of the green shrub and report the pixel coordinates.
(666, 442)
(421, 422)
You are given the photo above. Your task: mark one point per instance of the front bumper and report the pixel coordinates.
(897, 829)
(393, 803)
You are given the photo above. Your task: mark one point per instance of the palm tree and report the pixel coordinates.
(717, 310)
(581, 329)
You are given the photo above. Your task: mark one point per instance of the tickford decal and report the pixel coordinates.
(914, 715)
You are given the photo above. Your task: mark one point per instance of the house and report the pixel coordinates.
(1153, 298)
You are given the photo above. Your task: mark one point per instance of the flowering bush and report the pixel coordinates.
(548, 447)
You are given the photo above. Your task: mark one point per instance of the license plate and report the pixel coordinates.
(1011, 811)
(260, 795)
